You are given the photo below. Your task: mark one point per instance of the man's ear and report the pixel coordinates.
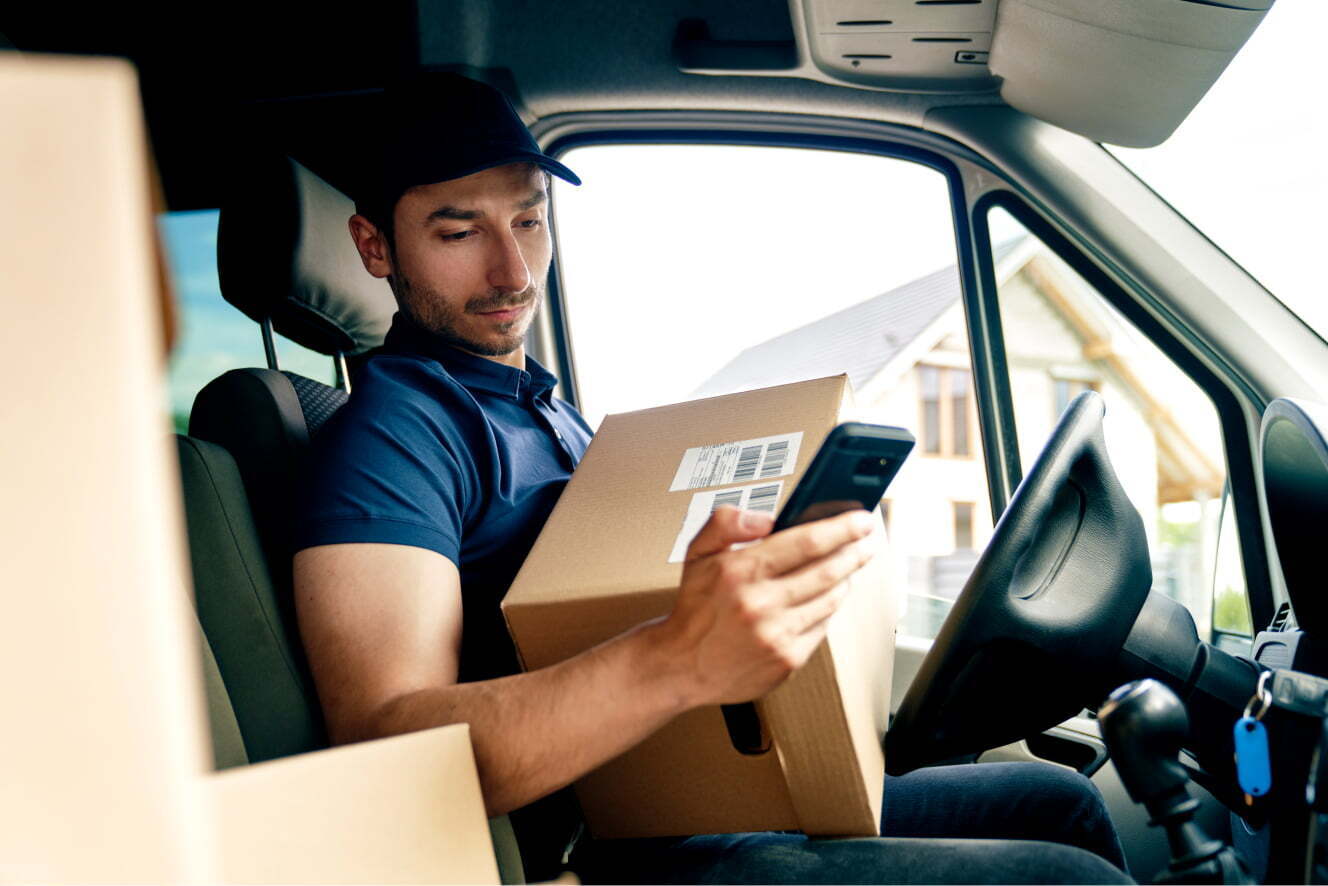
(372, 246)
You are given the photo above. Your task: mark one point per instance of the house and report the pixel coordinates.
(906, 354)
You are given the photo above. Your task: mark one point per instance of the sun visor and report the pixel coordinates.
(1126, 72)
(1295, 471)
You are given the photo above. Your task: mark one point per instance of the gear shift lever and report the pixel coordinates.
(1144, 725)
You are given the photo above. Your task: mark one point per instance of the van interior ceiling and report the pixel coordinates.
(290, 75)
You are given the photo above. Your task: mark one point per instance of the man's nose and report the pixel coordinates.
(508, 270)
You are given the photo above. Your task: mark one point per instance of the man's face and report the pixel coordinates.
(471, 256)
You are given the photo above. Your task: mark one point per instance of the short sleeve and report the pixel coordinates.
(386, 470)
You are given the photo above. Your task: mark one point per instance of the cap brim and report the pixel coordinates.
(542, 160)
(559, 170)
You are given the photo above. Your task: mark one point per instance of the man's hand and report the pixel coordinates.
(746, 619)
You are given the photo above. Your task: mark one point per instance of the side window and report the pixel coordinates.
(1233, 628)
(1162, 432)
(694, 271)
(214, 336)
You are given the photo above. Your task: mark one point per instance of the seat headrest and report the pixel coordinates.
(284, 252)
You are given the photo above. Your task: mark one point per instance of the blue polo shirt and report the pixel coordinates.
(454, 453)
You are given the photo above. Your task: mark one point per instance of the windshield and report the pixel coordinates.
(1246, 166)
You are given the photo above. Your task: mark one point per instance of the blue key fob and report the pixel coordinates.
(1253, 769)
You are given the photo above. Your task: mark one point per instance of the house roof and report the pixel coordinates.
(859, 340)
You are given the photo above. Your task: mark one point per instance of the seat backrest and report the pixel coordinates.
(265, 685)
(286, 260)
(266, 419)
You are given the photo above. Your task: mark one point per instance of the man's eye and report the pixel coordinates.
(457, 235)
(529, 223)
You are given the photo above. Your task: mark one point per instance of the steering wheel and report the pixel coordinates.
(1034, 634)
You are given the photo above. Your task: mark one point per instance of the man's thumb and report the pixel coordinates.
(729, 526)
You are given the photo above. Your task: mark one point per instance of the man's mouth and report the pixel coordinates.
(505, 315)
(503, 311)
(506, 312)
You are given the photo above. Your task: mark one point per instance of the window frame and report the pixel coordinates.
(995, 424)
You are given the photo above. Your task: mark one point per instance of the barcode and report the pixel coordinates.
(733, 498)
(775, 454)
(763, 498)
(747, 464)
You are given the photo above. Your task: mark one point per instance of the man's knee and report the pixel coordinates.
(1070, 789)
(1068, 805)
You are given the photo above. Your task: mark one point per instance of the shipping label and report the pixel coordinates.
(739, 462)
(757, 497)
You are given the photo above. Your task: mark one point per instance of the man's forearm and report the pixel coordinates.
(535, 733)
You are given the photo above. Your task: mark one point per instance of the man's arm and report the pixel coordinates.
(382, 628)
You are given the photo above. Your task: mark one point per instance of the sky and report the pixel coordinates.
(214, 336)
(1247, 165)
(675, 258)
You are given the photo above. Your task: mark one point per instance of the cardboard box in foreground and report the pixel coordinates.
(609, 558)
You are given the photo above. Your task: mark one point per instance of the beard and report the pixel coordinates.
(431, 312)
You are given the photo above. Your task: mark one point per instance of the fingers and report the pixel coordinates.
(794, 548)
(807, 625)
(819, 576)
(728, 526)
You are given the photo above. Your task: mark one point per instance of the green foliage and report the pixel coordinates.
(1178, 535)
(1231, 614)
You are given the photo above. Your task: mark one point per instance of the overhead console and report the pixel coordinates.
(902, 44)
(1125, 72)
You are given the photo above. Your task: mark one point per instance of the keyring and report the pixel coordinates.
(1262, 695)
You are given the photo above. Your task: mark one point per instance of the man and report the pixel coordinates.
(430, 486)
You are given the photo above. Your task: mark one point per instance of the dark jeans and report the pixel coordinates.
(985, 816)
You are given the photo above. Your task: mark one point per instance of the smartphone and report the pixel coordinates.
(852, 469)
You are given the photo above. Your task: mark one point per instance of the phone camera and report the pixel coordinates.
(872, 466)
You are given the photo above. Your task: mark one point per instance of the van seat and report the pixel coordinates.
(285, 259)
(260, 664)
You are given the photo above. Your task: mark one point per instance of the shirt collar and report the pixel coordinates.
(476, 373)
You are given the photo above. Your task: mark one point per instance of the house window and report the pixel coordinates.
(963, 525)
(959, 392)
(929, 383)
(947, 402)
(1066, 389)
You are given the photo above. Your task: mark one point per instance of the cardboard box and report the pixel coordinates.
(602, 565)
(405, 809)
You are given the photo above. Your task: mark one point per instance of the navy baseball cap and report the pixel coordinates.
(440, 127)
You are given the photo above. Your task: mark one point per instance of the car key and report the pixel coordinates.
(1253, 767)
